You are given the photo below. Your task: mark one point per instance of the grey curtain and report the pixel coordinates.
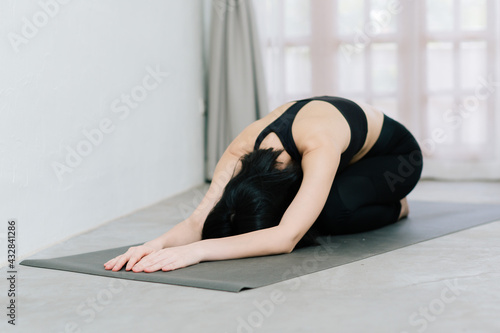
(236, 83)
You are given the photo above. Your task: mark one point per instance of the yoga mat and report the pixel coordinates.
(428, 220)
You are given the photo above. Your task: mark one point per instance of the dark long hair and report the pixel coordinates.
(256, 197)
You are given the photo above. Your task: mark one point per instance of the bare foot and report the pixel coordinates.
(405, 209)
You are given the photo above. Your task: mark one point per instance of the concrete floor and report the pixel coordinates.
(449, 284)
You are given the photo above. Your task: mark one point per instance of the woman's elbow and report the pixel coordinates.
(278, 240)
(287, 244)
(288, 249)
(281, 248)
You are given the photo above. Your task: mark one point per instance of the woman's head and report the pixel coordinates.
(256, 197)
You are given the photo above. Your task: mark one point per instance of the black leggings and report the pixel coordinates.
(366, 195)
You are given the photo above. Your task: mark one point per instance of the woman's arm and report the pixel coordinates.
(189, 230)
(319, 168)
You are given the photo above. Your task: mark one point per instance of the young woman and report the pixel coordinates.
(325, 165)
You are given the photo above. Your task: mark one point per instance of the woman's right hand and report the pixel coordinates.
(132, 256)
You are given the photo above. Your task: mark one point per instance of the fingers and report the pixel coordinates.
(152, 262)
(145, 261)
(138, 257)
(111, 263)
(117, 263)
(131, 263)
(133, 260)
(153, 267)
(170, 267)
(121, 261)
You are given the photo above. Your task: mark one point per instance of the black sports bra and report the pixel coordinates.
(352, 113)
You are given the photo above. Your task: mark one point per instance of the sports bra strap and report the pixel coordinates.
(282, 126)
(351, 111)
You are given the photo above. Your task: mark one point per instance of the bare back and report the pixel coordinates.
(317, 121)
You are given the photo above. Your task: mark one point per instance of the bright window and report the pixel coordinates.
(425, 63)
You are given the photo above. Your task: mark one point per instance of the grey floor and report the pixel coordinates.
(449, 284)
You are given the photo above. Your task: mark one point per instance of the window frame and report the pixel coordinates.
(411, 96)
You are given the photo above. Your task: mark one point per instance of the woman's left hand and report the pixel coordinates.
(168, 259)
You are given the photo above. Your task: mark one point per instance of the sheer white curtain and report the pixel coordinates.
(236, 83)
(433, 65)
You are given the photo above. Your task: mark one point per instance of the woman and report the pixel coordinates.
(343, 167)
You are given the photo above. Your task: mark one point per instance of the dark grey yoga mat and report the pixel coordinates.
(428, 220)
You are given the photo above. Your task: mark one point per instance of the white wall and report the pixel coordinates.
(72, 74)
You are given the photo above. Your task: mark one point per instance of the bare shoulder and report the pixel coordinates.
(320, 124)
